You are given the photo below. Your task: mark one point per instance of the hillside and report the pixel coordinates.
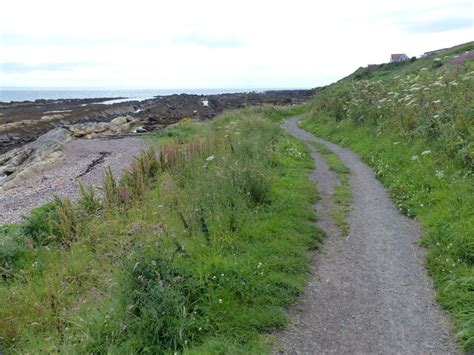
(409, 67)
(413, 122)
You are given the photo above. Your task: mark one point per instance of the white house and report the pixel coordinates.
(398, 57)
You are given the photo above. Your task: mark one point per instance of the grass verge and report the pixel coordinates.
(342, 196)
(198, 251)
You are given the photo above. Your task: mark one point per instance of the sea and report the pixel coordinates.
(31, 94)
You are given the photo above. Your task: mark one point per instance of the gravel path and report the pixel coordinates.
(84, 160)
(369, 292)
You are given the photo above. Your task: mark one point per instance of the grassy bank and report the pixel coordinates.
(413, 123)
(198, 251)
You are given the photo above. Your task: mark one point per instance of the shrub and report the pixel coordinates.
(12, 246)
(42, 225)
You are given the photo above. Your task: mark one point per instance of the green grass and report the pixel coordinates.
(414, 126)
(197, 252)
(342, 193)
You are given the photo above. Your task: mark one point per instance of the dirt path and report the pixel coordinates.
(369, 291)
(84, 160)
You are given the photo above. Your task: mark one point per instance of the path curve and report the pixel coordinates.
(369, 292)
(83, 161)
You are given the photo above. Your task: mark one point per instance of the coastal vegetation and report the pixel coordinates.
(342, 196)
(202, 244)
(198, 249)
(413, 122)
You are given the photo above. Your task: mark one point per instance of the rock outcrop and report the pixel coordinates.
(21, 163)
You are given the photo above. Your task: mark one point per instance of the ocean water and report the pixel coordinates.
(27, 94)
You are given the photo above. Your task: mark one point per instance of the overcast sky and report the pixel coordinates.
(216, 44)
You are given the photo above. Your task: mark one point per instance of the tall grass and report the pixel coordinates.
(196, 249)
(415, 128)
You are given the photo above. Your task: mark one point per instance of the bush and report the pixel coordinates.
(42, 225)
(12, 245)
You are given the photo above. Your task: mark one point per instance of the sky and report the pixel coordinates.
(155, 44)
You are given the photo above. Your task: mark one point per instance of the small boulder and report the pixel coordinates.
(121, 120)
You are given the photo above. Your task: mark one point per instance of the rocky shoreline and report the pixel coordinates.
(44, 151)
(81, 161)
(23, 122)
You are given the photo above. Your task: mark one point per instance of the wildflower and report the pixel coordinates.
(439, 174)
(437, 59)
(220, 300)
(209, 158)
(436, 116)
(414, 157)
(382, 100)
(426, 152)
(424, 69)
(436, 101)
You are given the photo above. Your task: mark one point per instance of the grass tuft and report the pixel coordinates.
(342, 192)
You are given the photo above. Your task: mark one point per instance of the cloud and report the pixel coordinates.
(208, 43)
(437, 25)
(208, 40)
(38, 40)
(23, 68)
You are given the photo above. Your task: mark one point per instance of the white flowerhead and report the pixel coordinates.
(439, 174)
(209, 158)
(426, 152)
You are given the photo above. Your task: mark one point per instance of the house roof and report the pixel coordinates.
(435, 51)
(398, 56)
